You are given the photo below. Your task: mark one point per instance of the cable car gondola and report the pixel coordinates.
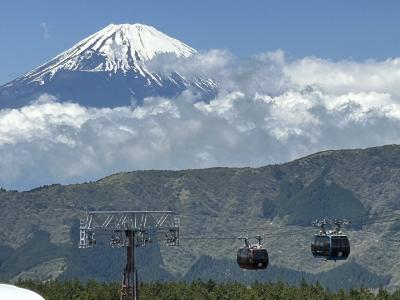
(252, 257)
(331, 244)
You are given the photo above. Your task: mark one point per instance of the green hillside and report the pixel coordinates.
(39, 236)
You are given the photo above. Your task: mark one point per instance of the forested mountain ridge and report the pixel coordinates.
(361, 185)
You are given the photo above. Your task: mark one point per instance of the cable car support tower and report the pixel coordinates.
(129, 229)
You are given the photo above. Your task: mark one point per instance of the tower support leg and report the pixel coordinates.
(129, 290)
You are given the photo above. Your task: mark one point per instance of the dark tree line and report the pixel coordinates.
(92, 290)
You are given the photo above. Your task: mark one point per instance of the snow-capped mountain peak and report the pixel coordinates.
(142, 42)
(108, 68)
(121, 47)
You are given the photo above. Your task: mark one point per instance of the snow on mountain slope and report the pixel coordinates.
(107, 68)
(117, 47)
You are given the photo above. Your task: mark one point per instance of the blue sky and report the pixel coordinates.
(33, 32)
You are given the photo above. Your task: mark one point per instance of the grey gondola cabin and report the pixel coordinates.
(252, 257)
(332, 244)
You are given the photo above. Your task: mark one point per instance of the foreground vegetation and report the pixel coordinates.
(92, 290)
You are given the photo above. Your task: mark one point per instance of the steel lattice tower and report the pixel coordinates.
(129, 229)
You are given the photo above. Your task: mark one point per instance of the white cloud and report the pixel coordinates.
(347, 76)
(268, 110)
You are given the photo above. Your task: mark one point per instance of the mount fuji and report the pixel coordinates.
(107, 69)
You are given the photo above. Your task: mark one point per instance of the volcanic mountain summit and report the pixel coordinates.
(107, 69)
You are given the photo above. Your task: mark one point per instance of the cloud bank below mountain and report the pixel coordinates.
(268, 110)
